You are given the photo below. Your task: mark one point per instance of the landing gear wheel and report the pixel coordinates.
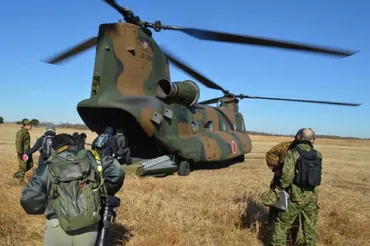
(184, 168)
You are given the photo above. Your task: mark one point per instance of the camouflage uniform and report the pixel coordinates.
(22, 143)
(301, 202)
(275, 158)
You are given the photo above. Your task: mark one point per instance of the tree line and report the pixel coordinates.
(35, 122)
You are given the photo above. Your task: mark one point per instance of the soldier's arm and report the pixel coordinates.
(19, 143)
(34, 196)
(272, 158)
(114, 175)
(35, 147)
(288, 170)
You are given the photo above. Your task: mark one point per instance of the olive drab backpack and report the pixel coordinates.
(308, 170)
(75, 191)
(46, 146)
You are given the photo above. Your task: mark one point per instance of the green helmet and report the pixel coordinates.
(26, 122)
(268, 198)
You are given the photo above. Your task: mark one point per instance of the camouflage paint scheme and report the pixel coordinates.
(276, 155)
(302, 203)
(128, 66)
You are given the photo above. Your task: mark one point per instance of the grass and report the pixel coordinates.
(208, 207)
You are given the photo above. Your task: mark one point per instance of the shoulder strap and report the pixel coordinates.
(43, 142)
(300, 151)
(100, 170)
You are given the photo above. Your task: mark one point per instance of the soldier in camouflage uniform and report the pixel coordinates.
(275, 160)
(302, 202)
(22, 144)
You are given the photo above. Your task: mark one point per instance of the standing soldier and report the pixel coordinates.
(275, 159)
(300, 177)
(22, 144)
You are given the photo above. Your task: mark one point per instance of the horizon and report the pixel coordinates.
(30, 85)
(251, 132)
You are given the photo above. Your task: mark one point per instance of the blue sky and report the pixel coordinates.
(35, 30)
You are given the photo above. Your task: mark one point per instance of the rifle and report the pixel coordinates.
(109, 205)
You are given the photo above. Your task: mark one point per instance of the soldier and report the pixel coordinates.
(43, 144)
(106, 143)
(22, 144)
(123, 152)
(83, 136)
(275, 160)
(78, 140)
(302, 187)
(43, 194)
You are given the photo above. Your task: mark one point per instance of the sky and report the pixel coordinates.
(36, 30)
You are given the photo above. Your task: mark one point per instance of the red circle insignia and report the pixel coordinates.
(234, 147)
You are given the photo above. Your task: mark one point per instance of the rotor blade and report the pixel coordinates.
(74, 50)
(298, 100)
(123, 11)
(202, 79)
(243, 39)
(210, 101)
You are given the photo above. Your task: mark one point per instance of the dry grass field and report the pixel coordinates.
(209, 207)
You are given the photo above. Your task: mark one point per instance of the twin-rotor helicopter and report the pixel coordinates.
(166, 125)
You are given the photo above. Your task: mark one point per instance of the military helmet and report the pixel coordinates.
(268, 198)
(50, 127)
(26, 122)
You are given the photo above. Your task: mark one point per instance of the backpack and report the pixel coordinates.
(46, 146)
(101, 142)
(75, 191)
(308, 170)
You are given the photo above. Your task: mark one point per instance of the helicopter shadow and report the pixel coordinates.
(119, 235)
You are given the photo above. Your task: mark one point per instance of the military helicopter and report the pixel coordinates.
(167, 126)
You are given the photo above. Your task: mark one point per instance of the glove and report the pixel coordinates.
(24, 157)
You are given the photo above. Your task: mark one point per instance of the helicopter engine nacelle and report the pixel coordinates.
(182, 92)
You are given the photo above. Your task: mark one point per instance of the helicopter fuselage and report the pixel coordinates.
(197, 133)
(130, 73)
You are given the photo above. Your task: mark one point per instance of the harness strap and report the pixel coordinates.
(100, 171)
